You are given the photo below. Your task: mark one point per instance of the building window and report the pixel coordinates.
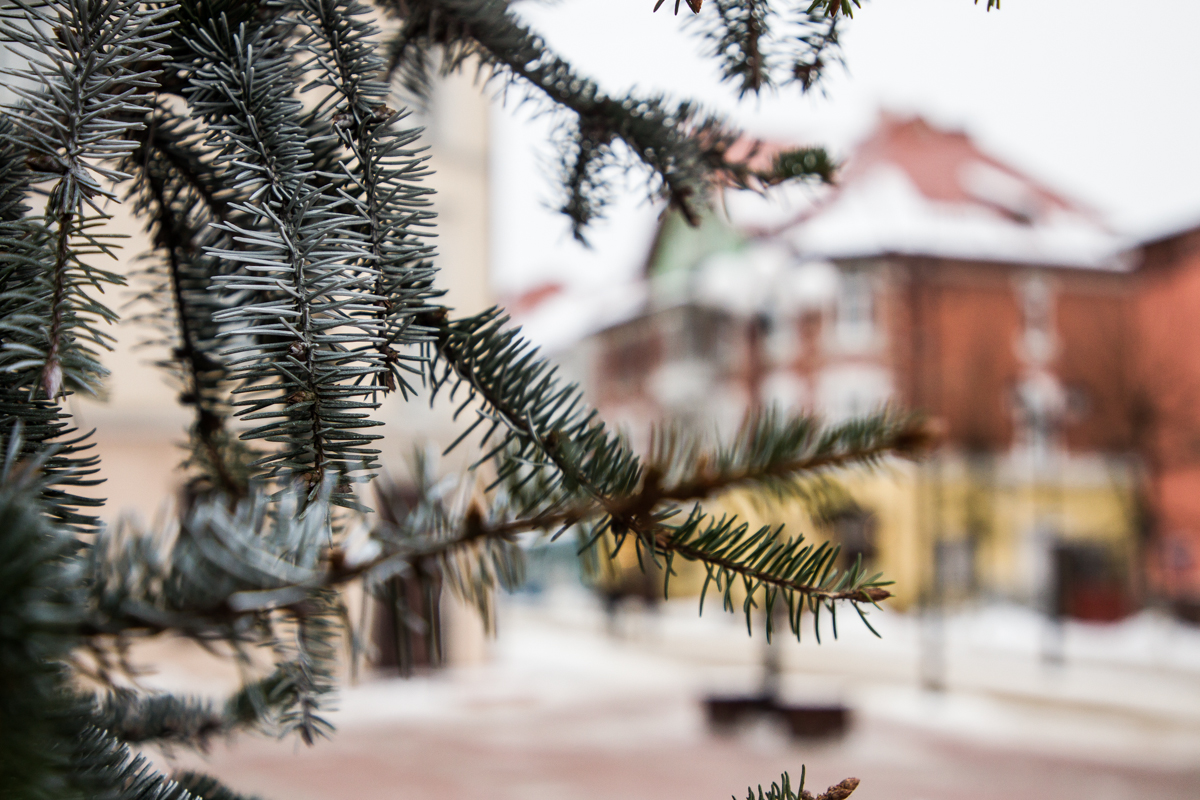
(851, 390)
(855, 311)
(782, 341)
(856, 531)
(1037, 311)
(630, 356)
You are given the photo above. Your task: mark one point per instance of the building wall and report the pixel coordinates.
(967, 343)
(964, 349)
(960, 348)
(1167, 407)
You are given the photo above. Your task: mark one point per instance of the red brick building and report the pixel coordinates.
(938, 278)
(1167, 406)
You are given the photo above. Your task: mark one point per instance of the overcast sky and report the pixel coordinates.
(1092, 98)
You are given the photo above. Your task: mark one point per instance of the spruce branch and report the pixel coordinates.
(738, 36)
(791, 572)
(527, 412)
(762, 44)
(689, 153)
(832, 8)
(531, 419)
(381, 170)
(199, 568)
(694, 5)
(90, 66)
(170, 720)
(102, 766)
(771, 451)
(307, 657)
(250, 570)
(39, 603)
(67, 464)
(90, 69)
(586, 154)
(476, 548)
(204, 787)
(541, 435)
(51, 746)
(160, 718)
(181, 194)
(272, 177)
(782, 790)
(67, 458)
(293, 282)
(302, 340)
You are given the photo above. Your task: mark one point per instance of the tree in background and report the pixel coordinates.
(294, 284)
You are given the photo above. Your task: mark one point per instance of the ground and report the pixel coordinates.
(563, 707)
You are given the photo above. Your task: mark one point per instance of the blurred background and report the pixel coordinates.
(1013, 247)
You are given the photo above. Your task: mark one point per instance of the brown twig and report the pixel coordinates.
(839, 791)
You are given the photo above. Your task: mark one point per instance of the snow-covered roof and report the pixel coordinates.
(908, 189)
(565, 317)
(914, 189)
(884, 212)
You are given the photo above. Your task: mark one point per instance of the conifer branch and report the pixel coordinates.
(175, 187)
(817, 47)
(761, 44)
(772, 451)
(160, 718)
(103, 766)
(689, 152)
(783, 790)
(531, 420)
(381, 168)
(204, 787)
(548, 439)
(67, 464)
(49, 741)
(89, 69)
(92, 66)
(738, 40)
(293, 284)
(306, 655)
(832, 8)
(304, 261)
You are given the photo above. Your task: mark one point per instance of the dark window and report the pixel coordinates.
(1089, 583)
(855, 530)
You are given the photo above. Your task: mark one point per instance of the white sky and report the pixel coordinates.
(1097, 101)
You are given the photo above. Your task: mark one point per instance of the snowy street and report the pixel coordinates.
(561, 708)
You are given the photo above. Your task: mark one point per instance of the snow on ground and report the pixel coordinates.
(1130, 690)
(567, 706)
